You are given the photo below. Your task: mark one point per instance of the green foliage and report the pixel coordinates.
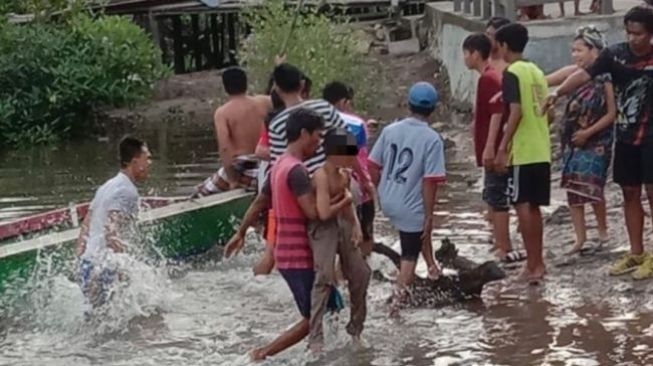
(53, 76)
(323, 48)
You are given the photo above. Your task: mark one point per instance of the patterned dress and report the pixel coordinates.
(585, 169)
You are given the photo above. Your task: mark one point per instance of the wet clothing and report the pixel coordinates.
(328, 238)
(288, 181)
(300, 282)
(495, 191)
(411, 245)
(489, 84)
(530, 183)
(407, 152)
(96, 275)
(119, 194)
(585, 169)
(632, 77)
(244, 165)
(277, 131)
(524, 84)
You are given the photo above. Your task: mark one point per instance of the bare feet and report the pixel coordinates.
(533, 277)
(316, 347)
(258, 354)
(358, 342)
(434, 272)
(577, 248)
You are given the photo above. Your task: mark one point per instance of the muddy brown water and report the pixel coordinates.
(214, 314)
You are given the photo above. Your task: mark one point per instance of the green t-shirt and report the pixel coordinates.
(524, 83)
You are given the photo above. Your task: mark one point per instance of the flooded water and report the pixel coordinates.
(214, 313)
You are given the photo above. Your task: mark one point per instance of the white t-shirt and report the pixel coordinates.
(117, 194)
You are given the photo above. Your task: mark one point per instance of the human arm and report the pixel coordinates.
(117, 223)
(349, 214)
(490, 143)
(80, 247)
(559, 76)
(260, 203)
(581, 137)
(262, 150)
(225, 147)
(375, 161)
(512, 96)
(434, 174)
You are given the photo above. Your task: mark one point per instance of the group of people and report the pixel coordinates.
(512, 139)
(318, 188)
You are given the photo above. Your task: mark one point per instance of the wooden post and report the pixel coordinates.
(232, 38)
(457, 5)
(178, 45)
(477, 8)
(197, 45)
(215, 58)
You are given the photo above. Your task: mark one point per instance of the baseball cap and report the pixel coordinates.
(423, 95)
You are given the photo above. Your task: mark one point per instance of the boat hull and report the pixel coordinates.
(177, 231)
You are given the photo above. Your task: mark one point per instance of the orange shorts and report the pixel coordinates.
(271, 232)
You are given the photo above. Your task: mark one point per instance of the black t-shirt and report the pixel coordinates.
(632, 77)
(298, 181)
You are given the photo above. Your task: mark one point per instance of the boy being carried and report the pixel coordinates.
(336, 231)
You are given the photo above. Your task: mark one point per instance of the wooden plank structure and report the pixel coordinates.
(487, 9)
(204, 34)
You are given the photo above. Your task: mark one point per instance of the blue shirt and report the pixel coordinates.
(408, 152)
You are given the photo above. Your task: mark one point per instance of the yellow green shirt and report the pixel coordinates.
(524, 83)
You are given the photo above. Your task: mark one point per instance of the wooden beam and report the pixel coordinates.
(178, 45)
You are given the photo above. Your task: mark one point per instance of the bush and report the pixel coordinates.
(53, 76)
(324, 48)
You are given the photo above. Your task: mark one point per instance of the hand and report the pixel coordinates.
(488, 158)
(580, 138)
(337, 198)
(234, 245)
(80, 248)
(501, 161)
(427, 229)
(357, 236)
(496, 98)
(367, 189)
(279, 59)
(550, 101)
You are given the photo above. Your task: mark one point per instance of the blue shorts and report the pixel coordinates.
(300, 282)
(104, 279)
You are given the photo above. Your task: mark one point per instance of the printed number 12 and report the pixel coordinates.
(403, 160)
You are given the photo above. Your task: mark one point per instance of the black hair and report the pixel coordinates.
(308, 84)
(497, 22)
(478, 42)
(302, 119)
(422, 111)
(514, 35)
(234, 80)
(340, 142)
(128, 149)
(336, 91)
(642, 15)
(277, 102)
(287, 78)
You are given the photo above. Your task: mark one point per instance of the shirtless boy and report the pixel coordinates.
(110, 222)
(336, 231)
(290, 191)
(237, 126)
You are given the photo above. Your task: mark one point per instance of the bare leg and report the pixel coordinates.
(404, 280)
(634, 214)
(286, 340)
(649, 195)
(601, 219)
(578, 219)
(429, 258)
(501, 229)
(266, 264)
(530, 219)
(562, 9)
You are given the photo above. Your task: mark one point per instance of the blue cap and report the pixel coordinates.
(423, 95)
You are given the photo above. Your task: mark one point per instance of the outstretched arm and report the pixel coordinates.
(83, 235)
(237, 241)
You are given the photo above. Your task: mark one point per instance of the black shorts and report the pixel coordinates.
(300, 282)
(411, 245)
(366, 212)
(530, 183)
(633, 164)
(495, 191)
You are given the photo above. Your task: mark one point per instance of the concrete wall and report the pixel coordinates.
(549, 44)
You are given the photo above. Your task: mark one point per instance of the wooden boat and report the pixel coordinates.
(178, 228)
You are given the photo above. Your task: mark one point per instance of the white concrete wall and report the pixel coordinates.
(549, 44)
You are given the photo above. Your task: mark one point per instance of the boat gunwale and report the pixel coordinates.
(173, 209)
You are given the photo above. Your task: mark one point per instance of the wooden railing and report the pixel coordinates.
(487, 9)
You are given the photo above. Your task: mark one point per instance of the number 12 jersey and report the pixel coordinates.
(407, 153)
